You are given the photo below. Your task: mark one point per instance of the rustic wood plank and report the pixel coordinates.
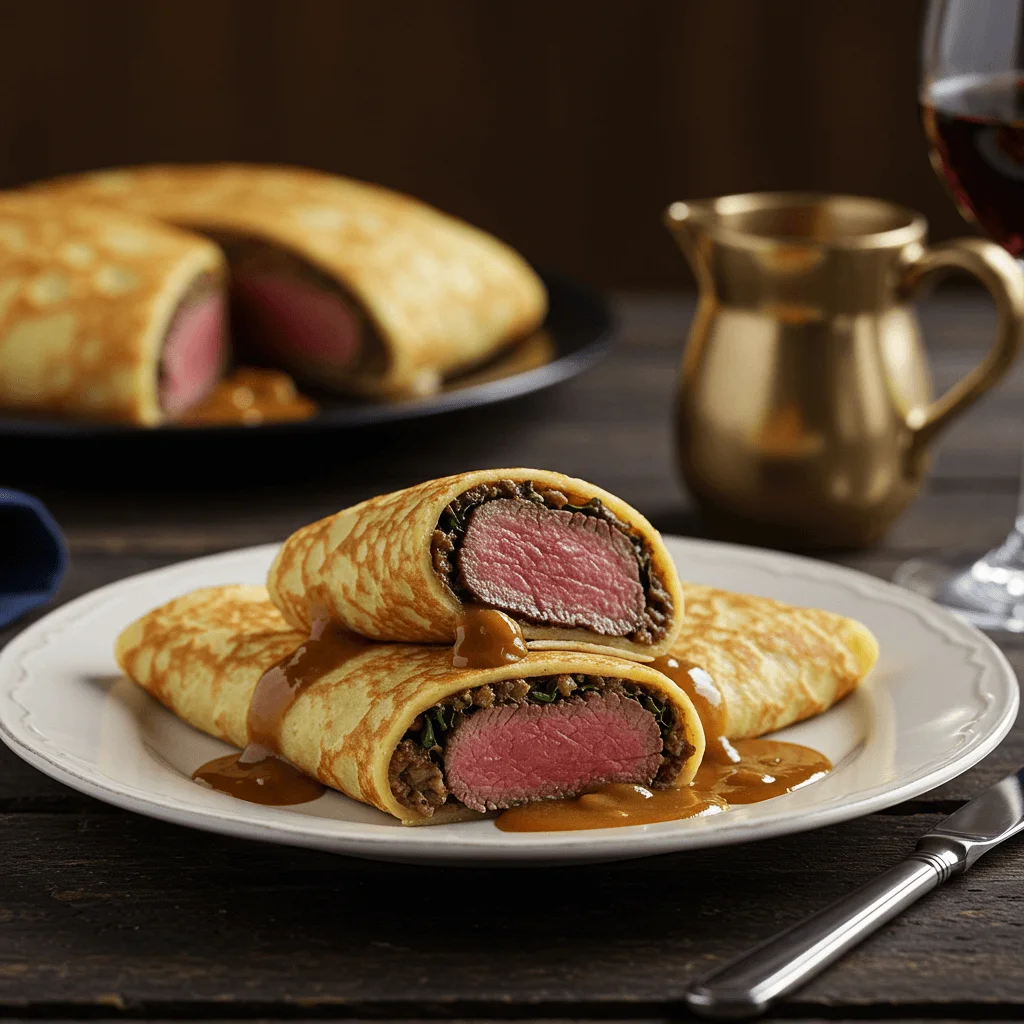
(962, 524)
(168, 527)
(165, 526)
(23, 789)
(134, 916)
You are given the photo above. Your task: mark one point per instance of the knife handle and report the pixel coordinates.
(744, 987)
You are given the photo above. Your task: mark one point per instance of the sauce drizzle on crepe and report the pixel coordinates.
(748, 771)
(708, 700)
(487, 638)
(258, 774)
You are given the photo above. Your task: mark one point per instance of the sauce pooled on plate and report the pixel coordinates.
(763, 769)
(743, 772)
(250, 396)
(258, 774)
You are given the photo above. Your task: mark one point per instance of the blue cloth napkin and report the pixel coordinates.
(33, 555)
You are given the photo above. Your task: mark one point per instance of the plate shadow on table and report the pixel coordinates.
(163, 460)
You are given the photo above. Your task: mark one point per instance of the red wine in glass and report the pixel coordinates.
(975, 128)
(972, 95)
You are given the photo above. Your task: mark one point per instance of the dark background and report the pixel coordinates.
(564, 126)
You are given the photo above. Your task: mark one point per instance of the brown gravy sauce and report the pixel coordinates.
(258, 773)
(764, 769)
(249, 396)
(487, 638)
(708, 700)
(268, 780)
(744, 772)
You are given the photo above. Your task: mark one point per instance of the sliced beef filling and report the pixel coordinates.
(552, 566)
(532, 553)
(290, 313)
(521, 740)
(512, 755)
(194, 350)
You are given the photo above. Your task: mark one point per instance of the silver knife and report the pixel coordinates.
(745, 987)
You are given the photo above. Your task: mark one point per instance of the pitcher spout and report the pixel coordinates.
(684, 224)
(679, 221)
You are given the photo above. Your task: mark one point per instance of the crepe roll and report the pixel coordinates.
(762, 665)
(573, 565)
(396, 726)
(104, 316)
(343, 283)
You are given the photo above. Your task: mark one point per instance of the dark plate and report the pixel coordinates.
(579, 329)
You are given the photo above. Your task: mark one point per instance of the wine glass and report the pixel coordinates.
(972, 102)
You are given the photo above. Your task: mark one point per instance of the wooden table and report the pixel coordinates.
(105, 914)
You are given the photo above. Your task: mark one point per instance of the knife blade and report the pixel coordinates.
(746, 986)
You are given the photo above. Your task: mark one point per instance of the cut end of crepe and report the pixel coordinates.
(127, 641)
(863, 645)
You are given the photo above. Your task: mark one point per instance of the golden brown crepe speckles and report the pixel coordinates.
(202, 654)
(774, 664)
(370, 566)
(81, 323)
(442, 295)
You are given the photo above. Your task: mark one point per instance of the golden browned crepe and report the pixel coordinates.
(773, 663)
(201, 655)
(373, 567)
(87, 298)
(437, 294)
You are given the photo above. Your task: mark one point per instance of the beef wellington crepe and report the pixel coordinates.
(104, 316)
(396, 726)
(772, 664)
(346, 284)
(571, 563)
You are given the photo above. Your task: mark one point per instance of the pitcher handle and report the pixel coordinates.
(998, 271)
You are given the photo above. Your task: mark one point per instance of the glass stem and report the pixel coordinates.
(1018, 524)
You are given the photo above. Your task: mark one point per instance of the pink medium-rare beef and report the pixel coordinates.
(194, 353)
(512, 754)
(296, 321)
(552, 567)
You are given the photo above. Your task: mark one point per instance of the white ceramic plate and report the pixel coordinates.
(941, 697)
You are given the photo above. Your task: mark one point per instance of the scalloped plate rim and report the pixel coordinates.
(993, 683)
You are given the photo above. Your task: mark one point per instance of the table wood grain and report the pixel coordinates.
(108, 914)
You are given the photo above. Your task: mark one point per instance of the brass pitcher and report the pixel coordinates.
(804, 413)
